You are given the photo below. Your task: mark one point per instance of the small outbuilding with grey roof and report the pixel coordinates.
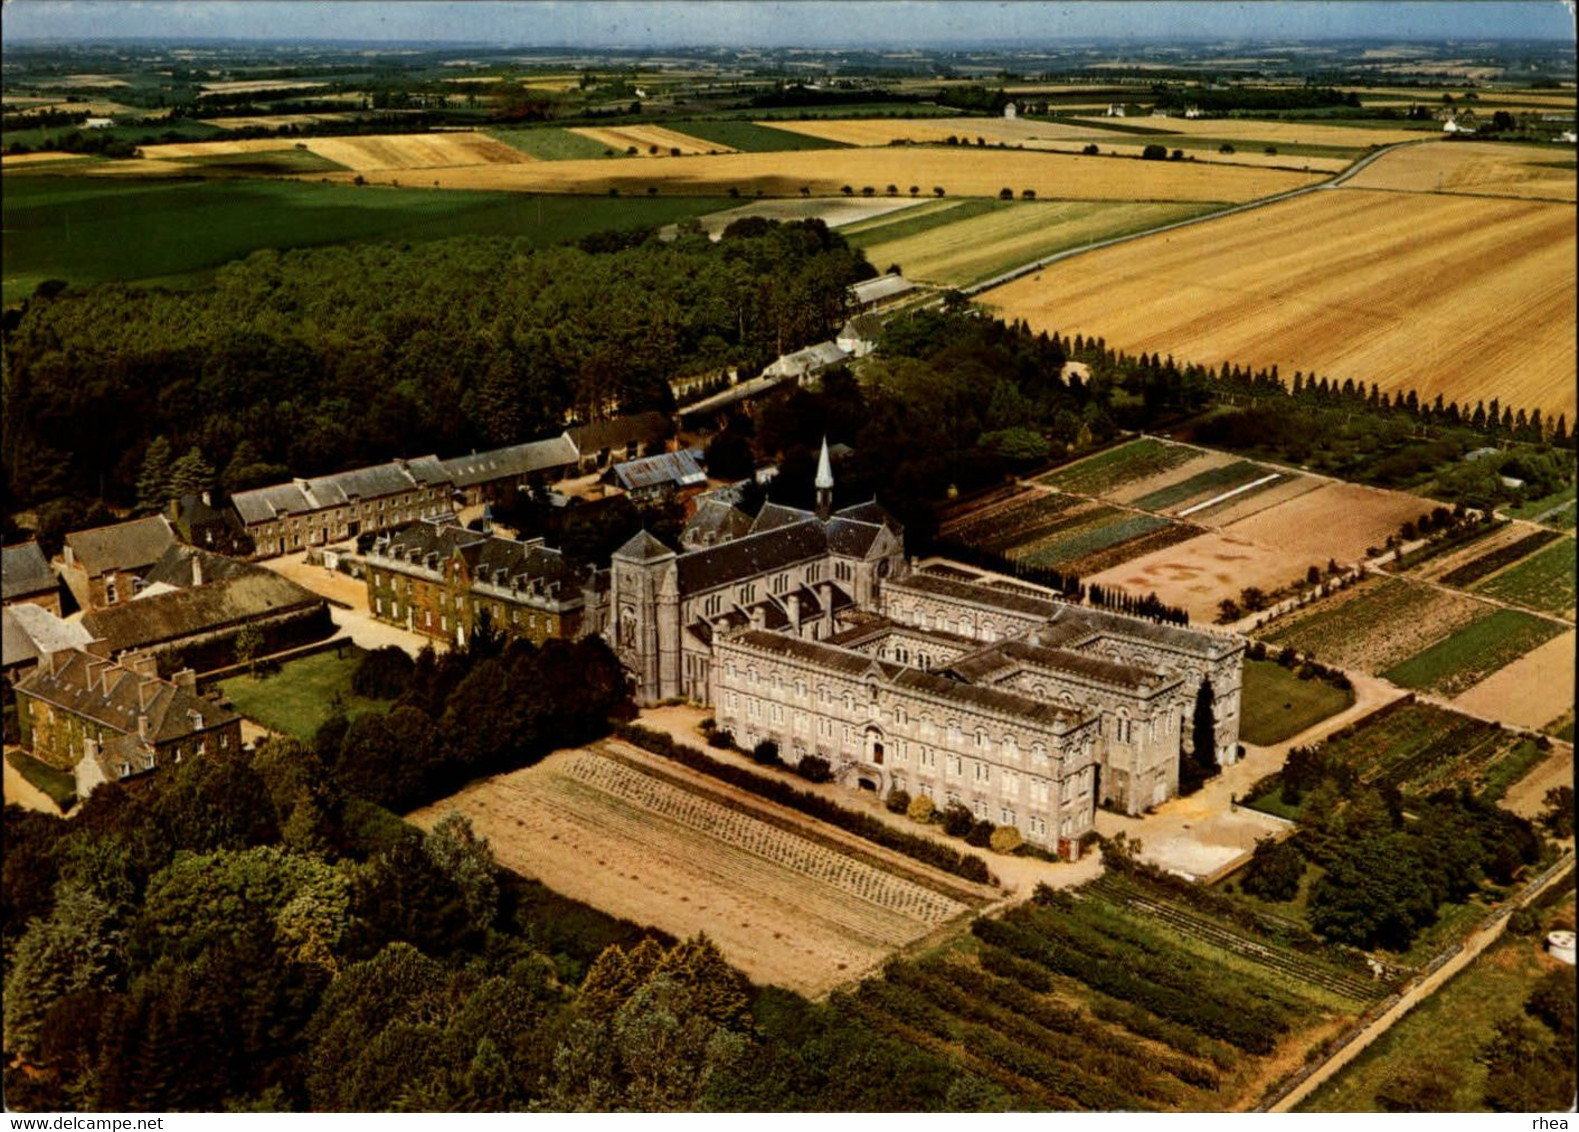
(26, 577)
(104, 566)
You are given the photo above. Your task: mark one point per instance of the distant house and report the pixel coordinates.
(27, 579)
(203, 601)
(325, 509)
(199, 522)
(860, 335)
(1011, 111)
(489, 477)
(807, 363)
(868, 294)
(602, 443)
(1454, 126)
(98, 123)
(1194, 112)
(1569, 136)
(1115, 110)
(107, 722)
(663, 477)
(104, 566)
(32, 632)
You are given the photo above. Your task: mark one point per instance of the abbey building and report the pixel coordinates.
(813, 630)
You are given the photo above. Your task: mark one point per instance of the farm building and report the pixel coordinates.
(440, 579)
(199, 522)
(313, 512)
(805, 364)
(874, 292)
(194, 604)
(663, 477)
(1011, 111)
(811, 630)
(498, 474)
(106, 721)
(860, 335)
(32, 632)
(602, 443)
(26, 577)
(104, 566)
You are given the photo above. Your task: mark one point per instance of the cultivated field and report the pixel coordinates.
(1463, 565)
(1375, 624)
(1198, 574)
(1250, 130)
(1544, 581)
(955, 249)
(364, 154)
(779, 894)
(1460, 661)
(835, 212)
(1467, 297)
(1336, 520)
(644, 138)
(1534, 691)
(274, 121)
(11, 160)
(826, 172)
(1476, 168)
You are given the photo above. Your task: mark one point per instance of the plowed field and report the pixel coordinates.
(1467, 297)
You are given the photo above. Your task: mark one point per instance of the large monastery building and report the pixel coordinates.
(812, 629)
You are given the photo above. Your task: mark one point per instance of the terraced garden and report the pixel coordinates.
(1122, 997)
(1544, 581)
(1462, 660)
(1136, 460)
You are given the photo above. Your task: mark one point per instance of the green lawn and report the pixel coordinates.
(1277, 705)
(1544, 581)
(549, 143)
(297, 699)
(923, 218)
(750, 137)
(1442, 1035)
(58, 784)
(92, 230)
(1474, 652)
(47, 137)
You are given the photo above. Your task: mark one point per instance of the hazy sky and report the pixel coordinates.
(755, 23)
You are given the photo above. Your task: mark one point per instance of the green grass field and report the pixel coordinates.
(93, 230)
(750, 137)
(297, 699)
(1544, 581)
(1118, 466)
(548, 143)
(47, 137)
(1555, 510)
(58, 784)
(1277, 705)
(913, 221)
(1474, 652)
(1441, 1037)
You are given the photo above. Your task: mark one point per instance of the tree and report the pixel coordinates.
(1155, 153)
(191, 475)
(729, 456)
(1274, 871)
(1552, 1003)
(248, 644)
(920, 809)
(1558, 817)
(937, 190)
(898, 801)
(1005, 839)
(1523, 1073)
(383, 674)
(467, 861)
(957, 819)
(79, 947)
(1092, 149)
(814, 768)
(153, 482)
(1006, 193)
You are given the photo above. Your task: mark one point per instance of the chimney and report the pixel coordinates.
(175, 510)
(144, 664)
(90, 747)
(186, 678)
(757, 617)
(793, 601)
(197, 569)
(146, 691)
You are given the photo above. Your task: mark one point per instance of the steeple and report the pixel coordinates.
(824, 483)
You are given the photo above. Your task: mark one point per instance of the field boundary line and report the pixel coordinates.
(1240, 490)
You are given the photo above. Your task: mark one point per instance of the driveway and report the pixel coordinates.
(19, 791)
(348, 607)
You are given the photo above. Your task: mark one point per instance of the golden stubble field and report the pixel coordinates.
(1275, 133)
(825, 172)
(645, 840)
(1478, 168)
(367, 153)
(622, 138)
(1468, 297)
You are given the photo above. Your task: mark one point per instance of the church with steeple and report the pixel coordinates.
(811, 630)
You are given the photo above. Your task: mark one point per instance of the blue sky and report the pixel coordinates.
(805, 22)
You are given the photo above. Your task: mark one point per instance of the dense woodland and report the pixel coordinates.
(322, 359)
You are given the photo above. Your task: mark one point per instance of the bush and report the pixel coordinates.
(814, 768)
(957, 819)
(920, 809)
(721, 739)
(1524, 921)
(980, 835)
(766, 753)
(383, 673)
(1155, 153)
(898, 801)
(1005, 839)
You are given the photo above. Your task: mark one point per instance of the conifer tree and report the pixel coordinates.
(153, 481)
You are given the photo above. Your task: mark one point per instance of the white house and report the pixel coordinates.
(860, 335)
(98, 123)
(1011, 111)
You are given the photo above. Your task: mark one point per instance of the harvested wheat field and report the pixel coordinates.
(622, 138)
(979, 247)
(836, 212)
(275, 121)
(416, 151)
(959, 172)
(199, 149)
(1478, 168)
(1337, 520)
(14, 159)
(1198, 574)
(249, 86)
(1530, 692)
(789, 902)
(1467, 297)
(1274, 133)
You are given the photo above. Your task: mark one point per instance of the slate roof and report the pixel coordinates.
(131, 546)
(114, 696)
(208, 608)
(176, 568)
(818, 356)
(748, 557)
(932, 584)
(44, 632)
(642, 547)
(863, 327)
(517, 460)
(678, 468)
(25, 571)
(1127, 676)
(641, 428)
(852, 539)
(775, 515)
(883, 287)
(491, 559)
(1101, 622)
(262, 505)
(715, 521)
(16, 645)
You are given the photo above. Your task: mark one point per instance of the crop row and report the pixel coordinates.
(1545, 581)
(1176, 994)
(1028, 519)
(982, 509)
(1460, 661)
(1161, 539)
(1202, 485)
(1114, 532)
(1134, 461)
(1494, 560)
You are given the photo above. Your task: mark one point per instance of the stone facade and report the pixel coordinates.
(439, 579)
(313, 512)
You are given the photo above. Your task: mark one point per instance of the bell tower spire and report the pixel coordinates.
(824, 483)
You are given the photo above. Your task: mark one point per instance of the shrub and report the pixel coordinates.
(721, 739)
(1092, 150)
(1155, 153)
(1005, 194)
(1005, 839)
(814, 768)
(383, 673)
(766, 753)
(957, 820)
(898, 801)
(920, 808)
(980, 835)
(1524, 921)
